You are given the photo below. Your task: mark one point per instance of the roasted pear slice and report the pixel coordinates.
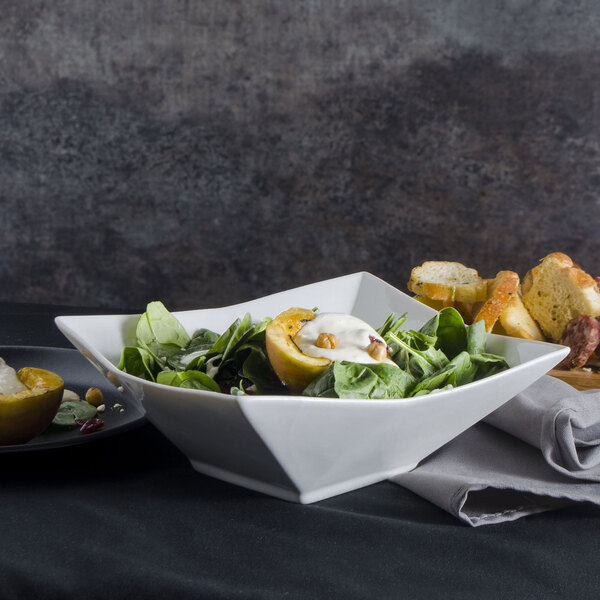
(295, 369)
(27, 412)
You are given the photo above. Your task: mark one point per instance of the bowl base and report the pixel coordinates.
(294, 495)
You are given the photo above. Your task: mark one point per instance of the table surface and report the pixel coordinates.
(129, 516)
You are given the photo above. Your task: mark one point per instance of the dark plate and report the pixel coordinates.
(79, 375)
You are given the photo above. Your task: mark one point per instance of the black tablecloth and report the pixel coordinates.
(128, 517)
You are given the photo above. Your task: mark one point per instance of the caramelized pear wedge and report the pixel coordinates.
(26, 413)
(294, 368)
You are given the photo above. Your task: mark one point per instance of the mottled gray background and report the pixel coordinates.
(206, 153)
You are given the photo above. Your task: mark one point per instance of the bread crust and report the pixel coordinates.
(580, 277)
(517, 322)
(537, 308)
(500, 292)
(556, 290)
(448, 282)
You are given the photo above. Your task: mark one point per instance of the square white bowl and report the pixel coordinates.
(307, 449)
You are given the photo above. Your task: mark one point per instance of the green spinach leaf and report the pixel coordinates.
(202, 341)
(488, 364)
(366, 381)
(196, 380)
(476, 337)
(436, 381)
(451, 332)
(416, 352)
(160, 333)
(465, 370)
(138, 362)
(256, 368)
(448, 329)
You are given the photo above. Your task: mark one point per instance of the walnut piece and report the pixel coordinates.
(377, 350)
(326, 340)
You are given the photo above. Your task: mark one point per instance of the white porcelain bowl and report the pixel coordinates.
(306, 449)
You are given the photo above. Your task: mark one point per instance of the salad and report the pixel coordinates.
(444, 353)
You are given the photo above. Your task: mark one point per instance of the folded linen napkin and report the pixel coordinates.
(491, 474)
(559, 420)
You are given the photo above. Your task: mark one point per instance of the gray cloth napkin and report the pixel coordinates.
(542, 452)
(559, 420)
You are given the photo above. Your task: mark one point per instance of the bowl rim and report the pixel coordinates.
(63, 323)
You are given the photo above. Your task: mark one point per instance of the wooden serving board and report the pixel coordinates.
(579, 379)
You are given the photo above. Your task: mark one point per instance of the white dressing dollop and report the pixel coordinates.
(9, 382)
(353, 337)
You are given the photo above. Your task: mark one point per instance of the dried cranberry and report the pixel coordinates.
(89, 425)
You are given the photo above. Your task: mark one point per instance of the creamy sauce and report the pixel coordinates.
(353, 337)
(9, 382)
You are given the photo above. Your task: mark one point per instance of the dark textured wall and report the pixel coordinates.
(206, 153)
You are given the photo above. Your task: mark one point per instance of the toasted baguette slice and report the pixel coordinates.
(556, 291)
(500, 292)
(517, 322)
(464, 308)
(447, 281)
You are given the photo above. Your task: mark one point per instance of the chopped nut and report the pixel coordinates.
(94, 396)
(70, 396)
(101, 408)
(326, 340)
(377, 350)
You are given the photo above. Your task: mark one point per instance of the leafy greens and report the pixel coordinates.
(443, 353)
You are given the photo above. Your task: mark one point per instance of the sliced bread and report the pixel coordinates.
(447, 281)
(556, 291)
(517, 322)
(500, 292)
